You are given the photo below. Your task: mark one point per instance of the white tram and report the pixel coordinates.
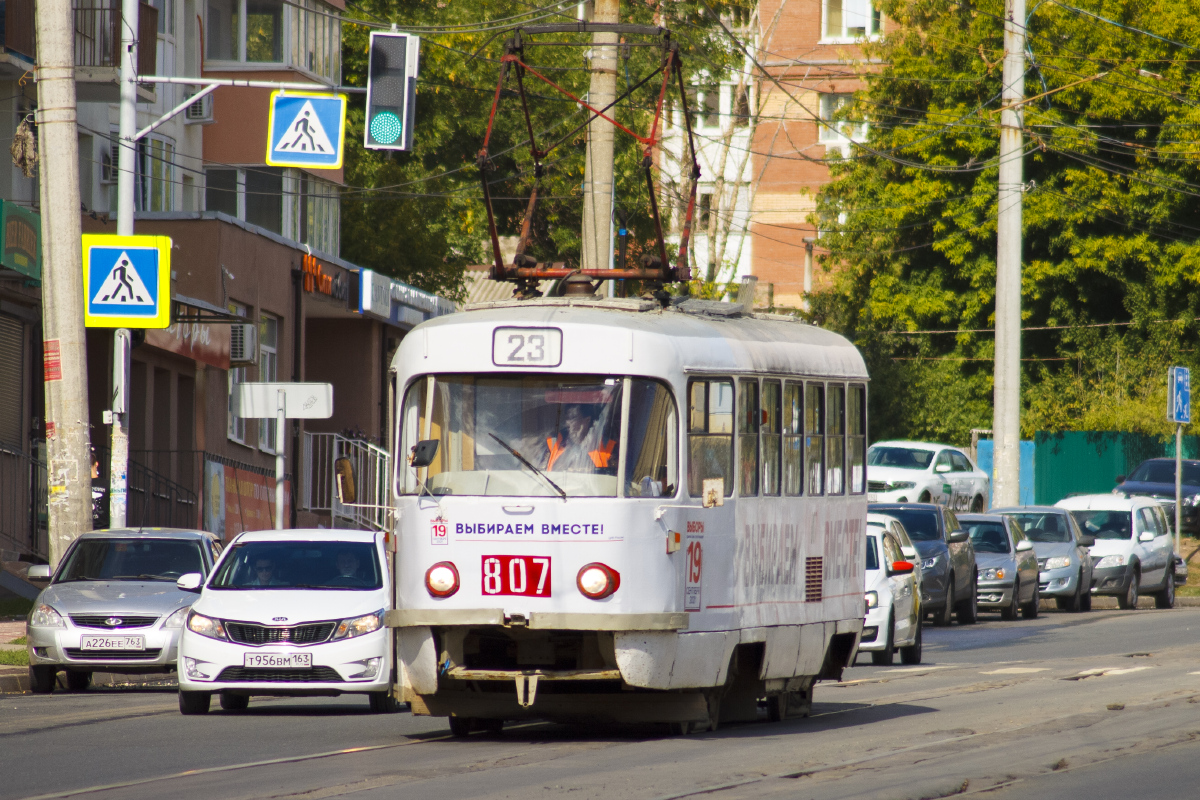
(631, 513)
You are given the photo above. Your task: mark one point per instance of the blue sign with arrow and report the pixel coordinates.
(306, 129)
(1179, 395)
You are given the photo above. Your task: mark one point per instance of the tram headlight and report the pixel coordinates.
(597, 580)
(442, 579)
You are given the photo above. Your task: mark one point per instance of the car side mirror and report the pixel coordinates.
(38, 572)
(1087, 541)
(902, 567)
(941, 468)
(347, 486)
(190, 581)
(1146, 536)
(423, 453)
(1024, 546)
(1120, 479)
(956, 537)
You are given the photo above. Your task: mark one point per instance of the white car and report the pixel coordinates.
(1134, 549)
(893, 602)
(297, 612)
(877, 523)
(922, 472)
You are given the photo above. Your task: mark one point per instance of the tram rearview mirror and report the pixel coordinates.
(714, 492)
(347, 486)
(423, 453)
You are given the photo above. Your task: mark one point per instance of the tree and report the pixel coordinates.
(1109, 215)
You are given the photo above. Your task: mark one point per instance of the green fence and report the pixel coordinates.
(1088, 462)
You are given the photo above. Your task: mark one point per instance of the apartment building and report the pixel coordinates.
(259, 290)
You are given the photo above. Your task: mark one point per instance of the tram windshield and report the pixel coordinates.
(533, 435)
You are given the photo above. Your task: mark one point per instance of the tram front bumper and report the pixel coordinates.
(537, 620)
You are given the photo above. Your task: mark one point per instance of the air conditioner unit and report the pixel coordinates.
(200, 112)
(108, 163)
(243, 343)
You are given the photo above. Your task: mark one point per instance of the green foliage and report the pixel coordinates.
(1109, 216)
(14, 658)
(15, 607)
(419, 215)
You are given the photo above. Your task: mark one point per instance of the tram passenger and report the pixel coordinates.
(580, 444)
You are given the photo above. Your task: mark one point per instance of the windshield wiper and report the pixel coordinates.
(141, 578)
(526, 462)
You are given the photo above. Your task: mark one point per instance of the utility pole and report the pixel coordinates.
(68, 447)
(598, 167)
(126, 175)
(1007, 410)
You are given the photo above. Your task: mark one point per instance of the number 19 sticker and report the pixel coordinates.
(695, 571)
(439, 531)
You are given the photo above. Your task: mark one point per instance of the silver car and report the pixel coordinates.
(1008, 568)
(1062, 553)
(113, 605)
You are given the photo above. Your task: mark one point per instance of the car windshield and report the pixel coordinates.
(132, 559)
(1105, 524)
(988, 537)
(872, 552)
(1043, 527)
(532, 435)
(299, 565)
(921, 524)
(902, 457)
(1164, 472)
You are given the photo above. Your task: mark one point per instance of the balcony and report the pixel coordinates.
(97, 44)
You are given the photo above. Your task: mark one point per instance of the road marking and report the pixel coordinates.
(1015, 671)
(920, 669)
(1102, 671)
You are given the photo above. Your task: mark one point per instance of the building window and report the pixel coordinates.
(835, 127)
(166, 16)
(741, 107)
(154, 189)
(851, 19)
(302, 34)
(237, 375)
(314, 211)
(268, 363)
(255, 195)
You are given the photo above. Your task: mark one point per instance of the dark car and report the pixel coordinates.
(948, 576)
(1155, 477)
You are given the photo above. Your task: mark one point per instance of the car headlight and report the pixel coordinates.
(176, 619)
(872, 599)
(1193, 500)
(992, 574)
(1111, 561)
(1058, 562)
(206, 626)
(929, 563)
(901, 485)
(46, 617)
(349, 628)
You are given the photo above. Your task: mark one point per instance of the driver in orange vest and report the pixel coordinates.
(576, 447)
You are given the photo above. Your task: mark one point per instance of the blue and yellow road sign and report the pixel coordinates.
(306, 129)
(126, 281)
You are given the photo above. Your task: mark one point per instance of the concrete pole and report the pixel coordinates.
(280, 439)
(126, 178)
(68, 446)
(598, 164)
(1007, 411)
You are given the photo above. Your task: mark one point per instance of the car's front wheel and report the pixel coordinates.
(912, 653)
(1031, 611)
(42, 678)
(943, 618)
(968, 610)
(1166, 598)
(383, 703)
(881, 658)
(194, 702)
(1014, 606)
(1074, 602)
(1130, 598)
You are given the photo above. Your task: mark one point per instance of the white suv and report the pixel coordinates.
(923, 472)
(1134, 550)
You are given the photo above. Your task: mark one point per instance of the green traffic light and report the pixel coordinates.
(386, 127)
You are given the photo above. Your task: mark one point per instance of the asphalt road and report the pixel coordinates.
(1095, 705)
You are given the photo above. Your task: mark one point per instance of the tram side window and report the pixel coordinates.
(835, 439)
(650, 465)
(793, 439)
(710, 434)
(814, 440)
(856, 440)
(748, 424)
(769, 435)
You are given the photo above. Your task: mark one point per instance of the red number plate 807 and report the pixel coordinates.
(523, 575)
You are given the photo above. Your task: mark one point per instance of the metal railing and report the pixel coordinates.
(23, 529)
(372, 470)
(97, 33)
(152, 499)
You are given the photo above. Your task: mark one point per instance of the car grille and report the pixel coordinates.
(102, 621)
(876, 486)
(247, 633)
(247, 675)
(79, 654)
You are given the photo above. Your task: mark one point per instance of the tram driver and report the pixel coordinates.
(580, 443)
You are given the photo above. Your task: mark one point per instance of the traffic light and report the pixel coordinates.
(391, 91)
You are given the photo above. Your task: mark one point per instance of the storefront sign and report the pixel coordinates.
(318, 281)
(21, 230)
(199, 341)
(390, 300)
(237, 500)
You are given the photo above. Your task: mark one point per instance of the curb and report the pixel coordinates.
(18, 683)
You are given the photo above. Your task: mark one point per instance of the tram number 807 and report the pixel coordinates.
(520, 575)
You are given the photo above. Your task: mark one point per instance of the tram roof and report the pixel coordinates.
(694, 335)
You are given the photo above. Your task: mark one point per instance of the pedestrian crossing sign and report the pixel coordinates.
(126, 281)
(306, 129)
